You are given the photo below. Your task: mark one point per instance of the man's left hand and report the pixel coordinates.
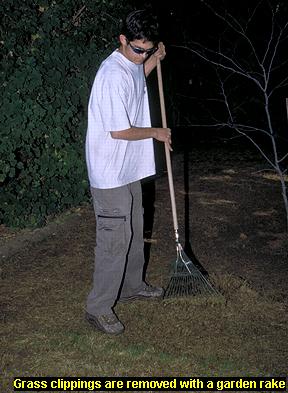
(160, 52)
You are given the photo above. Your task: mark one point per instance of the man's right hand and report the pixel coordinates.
(164, 135)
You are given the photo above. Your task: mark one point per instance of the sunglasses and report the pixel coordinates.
(141, 51)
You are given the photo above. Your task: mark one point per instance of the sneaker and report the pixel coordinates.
(109, 323)
(147, 293)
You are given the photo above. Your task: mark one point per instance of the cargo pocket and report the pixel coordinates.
(111, 234)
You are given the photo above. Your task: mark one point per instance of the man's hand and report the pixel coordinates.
(138, 133)
(151, 62)
(164, 135)
(160, 52)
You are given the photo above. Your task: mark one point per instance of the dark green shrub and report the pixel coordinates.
(50, 51)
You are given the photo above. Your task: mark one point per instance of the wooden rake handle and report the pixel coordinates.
(167, 151)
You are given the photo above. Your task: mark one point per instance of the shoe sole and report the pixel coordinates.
(137, 297)
(96, 325)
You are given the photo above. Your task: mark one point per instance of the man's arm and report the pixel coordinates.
(151, 62)
(138, 133)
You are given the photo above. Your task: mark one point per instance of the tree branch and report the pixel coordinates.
(218, 64)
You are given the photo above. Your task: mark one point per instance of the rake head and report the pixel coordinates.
(187, 279)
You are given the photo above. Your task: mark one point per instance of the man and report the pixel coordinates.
(119, 153)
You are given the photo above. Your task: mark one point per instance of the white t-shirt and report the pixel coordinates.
(118, 101)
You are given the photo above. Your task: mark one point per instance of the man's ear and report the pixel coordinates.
(123, 39)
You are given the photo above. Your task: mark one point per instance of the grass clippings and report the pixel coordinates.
(44, 285)
(46, 334)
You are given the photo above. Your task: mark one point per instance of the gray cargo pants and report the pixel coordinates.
(119, 254)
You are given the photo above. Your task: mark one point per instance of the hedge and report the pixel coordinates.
(50, 51)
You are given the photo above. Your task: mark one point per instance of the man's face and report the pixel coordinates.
(136, 51)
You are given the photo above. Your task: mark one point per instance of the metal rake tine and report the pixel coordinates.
(188, 281)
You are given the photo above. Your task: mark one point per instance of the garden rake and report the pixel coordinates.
(186, 278)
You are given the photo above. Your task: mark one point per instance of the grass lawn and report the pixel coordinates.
(45, 283)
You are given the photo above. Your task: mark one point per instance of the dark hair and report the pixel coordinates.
(141, 25)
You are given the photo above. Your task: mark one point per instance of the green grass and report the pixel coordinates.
(44, 332)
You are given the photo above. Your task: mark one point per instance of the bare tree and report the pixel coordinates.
(251, 67)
